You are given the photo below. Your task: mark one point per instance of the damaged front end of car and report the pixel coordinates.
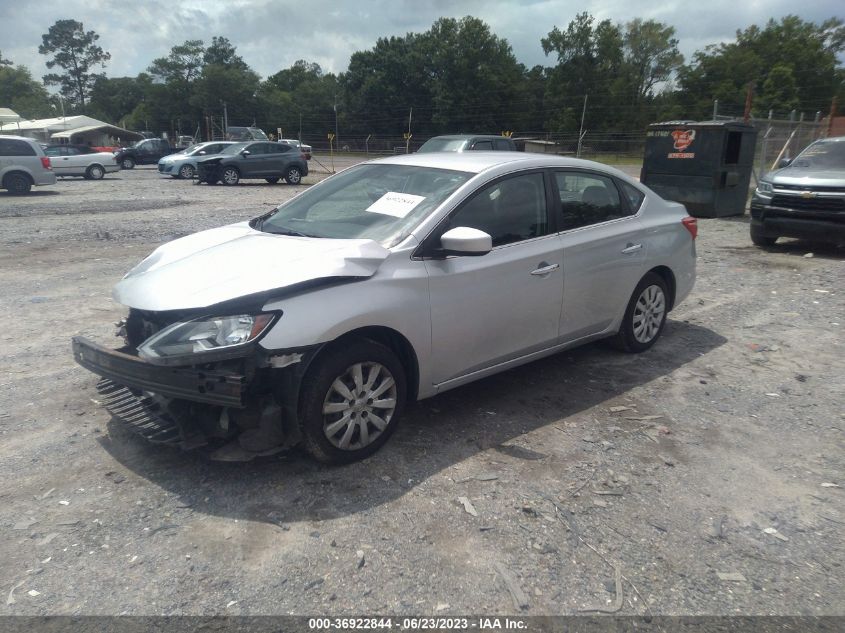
(200, 381)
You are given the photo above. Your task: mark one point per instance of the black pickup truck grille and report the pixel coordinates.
(810, 204)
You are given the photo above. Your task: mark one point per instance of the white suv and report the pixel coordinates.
(23, 164)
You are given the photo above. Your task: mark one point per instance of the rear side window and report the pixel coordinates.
(502, 145)
(50, 151)
(635, 196)
(587, 199)
(13, 147)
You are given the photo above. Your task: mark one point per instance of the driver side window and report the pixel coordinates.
(510, 210)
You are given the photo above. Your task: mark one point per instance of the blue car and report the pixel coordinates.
(184, 164)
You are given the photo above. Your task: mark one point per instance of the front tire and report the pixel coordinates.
(230, 176)
(293, 176)
(186, 172)
(95, 172)
(758, 237)
(127, 163)
(645, 315)
(351, 401)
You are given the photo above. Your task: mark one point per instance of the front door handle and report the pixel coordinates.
(544, 269)
(632, 248)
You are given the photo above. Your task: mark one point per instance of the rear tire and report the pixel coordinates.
(758, 237)
(351, 401)
(230, 176)
(644, 317)
(17, 184)
(95, 172)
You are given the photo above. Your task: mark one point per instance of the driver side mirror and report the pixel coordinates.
(784, 162)
(463, 240)
(201, 152)
(245, 152)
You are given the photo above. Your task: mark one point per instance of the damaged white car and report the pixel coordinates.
(391, 281)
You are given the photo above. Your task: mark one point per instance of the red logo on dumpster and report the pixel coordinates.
(683, 139)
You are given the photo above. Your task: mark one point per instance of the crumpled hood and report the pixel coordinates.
(235, 261)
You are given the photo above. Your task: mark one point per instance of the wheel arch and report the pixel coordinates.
(395, 342)
(666, 274)
(18, 172)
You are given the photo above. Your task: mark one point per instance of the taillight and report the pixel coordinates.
(45, 162)
(691, 225)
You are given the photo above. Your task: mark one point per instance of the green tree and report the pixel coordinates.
(475, 78)
(112, 99)
(182, 65)
(590, 61)
(221, 53)
(5, 62)
(22, 94)
(75, 51)
(809, 51)
(651, 56)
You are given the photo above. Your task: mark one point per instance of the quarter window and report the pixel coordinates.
(510, 210)
(587, 199)
(635, 196)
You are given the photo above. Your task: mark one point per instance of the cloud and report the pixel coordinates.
(273, 34)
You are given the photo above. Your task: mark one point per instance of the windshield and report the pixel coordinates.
(825, 155)
(443, 145)
(233, 149)
(193, 149)
(378, 202)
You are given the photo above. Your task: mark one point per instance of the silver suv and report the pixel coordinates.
(23, 164)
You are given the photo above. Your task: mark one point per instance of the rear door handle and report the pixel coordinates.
(544, 269)
(632, 248)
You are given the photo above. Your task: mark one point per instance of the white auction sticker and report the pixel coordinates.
(396, 204)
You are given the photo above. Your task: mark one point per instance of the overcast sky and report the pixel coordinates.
(273, 34)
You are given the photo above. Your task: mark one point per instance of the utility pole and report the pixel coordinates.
(715, 108)
(300, 127)
(749, 95)
(581, 131)
(225, 120)
(336, 132)
(832, 116)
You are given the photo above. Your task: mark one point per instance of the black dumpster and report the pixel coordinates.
(705, 165)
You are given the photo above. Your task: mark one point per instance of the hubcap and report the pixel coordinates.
(230, 177)
(648, 313)
(294, 176)
(359, 406)
(187, 171)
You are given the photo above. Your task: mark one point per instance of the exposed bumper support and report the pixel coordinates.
(220, 387)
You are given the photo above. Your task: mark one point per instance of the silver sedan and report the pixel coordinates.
(394, 280)
(183, 164)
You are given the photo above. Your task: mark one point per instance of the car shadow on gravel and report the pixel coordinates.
(434, 435)
(38, 193)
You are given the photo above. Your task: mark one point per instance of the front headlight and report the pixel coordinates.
(206, 334)
(764, 188)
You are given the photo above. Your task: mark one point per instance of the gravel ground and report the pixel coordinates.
(703, 477)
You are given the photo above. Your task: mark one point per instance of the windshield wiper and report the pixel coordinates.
(288, 232)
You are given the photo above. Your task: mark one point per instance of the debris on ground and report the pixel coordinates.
(731, 576)
(468, 506)
(11, 598)
(773, 532)
(361, 560)
(520, 600)
(25, 524)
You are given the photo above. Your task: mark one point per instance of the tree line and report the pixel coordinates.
(458, 76)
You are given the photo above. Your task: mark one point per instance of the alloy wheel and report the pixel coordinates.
(359, 406)
(648, 313)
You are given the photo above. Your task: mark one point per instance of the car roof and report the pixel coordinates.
(477, 162)
(458, 137)
(19, 138)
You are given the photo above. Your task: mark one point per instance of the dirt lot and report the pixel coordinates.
(709, 471)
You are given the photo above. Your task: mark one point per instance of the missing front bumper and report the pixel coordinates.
(210, 386)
